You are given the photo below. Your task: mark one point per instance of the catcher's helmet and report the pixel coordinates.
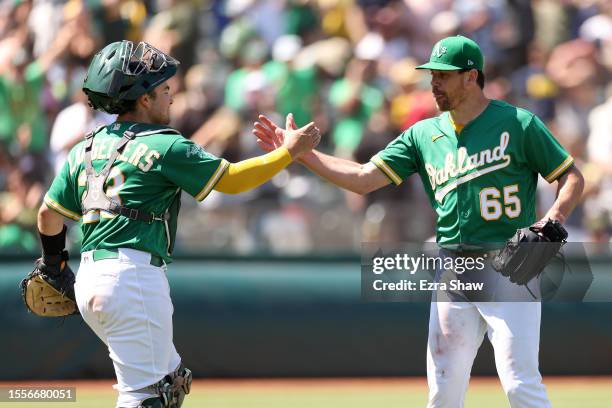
(122, 72)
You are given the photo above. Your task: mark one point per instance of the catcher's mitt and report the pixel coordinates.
(49, 289)
(529, 251)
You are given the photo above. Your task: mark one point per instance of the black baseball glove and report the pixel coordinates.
(49, 289)
(527, 253)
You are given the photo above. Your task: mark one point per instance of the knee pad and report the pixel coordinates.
(171, 389)
(153, 402)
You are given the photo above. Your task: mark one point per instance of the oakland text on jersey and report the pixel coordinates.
(465, 163)
(136, 153)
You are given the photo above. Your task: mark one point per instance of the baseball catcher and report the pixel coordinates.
(527, 253)
(48, 290)
(123, 185)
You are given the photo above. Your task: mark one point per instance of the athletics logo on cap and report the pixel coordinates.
(439, 51)
(455, 53)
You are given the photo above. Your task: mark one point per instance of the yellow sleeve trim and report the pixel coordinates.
(54, 205)
(384, 167)
(213, 180)
(559, 170)
(251, 173)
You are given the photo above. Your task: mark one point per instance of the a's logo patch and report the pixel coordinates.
(438, 51)
(196, 151)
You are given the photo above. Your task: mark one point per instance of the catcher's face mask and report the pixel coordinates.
(122, 71)
(145, 58)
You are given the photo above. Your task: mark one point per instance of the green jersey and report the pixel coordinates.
(149, 176)
(482, 181)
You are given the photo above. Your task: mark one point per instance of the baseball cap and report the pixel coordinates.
(455, 53)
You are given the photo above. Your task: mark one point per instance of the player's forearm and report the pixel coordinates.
(251, 173)
(344, 173)
(569, 193)
(49, 222)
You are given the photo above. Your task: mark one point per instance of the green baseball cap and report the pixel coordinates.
(454, 53)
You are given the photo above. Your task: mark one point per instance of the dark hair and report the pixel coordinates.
(114, 106)
(481, 78)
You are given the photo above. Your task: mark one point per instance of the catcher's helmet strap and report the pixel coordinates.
(95, 198)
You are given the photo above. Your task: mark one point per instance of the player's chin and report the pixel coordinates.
(165, 120)
(443, 106)
(442, 103)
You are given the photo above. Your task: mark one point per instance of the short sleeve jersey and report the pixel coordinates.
(149, 176)
(481, 182)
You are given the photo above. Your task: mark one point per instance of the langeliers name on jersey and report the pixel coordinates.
(136, 153)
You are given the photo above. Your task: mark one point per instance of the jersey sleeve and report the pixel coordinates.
(555, 161)
(62, 195)
(399, 159)
(192, 168)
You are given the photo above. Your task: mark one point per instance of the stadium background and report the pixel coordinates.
(266, 284)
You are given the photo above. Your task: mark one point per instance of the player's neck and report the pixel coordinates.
(470, 108)
(135, 116)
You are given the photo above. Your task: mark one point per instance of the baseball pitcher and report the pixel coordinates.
(479, 162)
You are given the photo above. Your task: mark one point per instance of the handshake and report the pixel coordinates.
(297, 141)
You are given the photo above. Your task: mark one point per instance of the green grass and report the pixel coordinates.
(362, 395)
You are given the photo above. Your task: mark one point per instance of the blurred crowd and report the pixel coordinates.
(346, 64)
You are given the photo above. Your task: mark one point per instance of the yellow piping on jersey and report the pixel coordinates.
(384, 167)
(213, 180)
(562, 167)
(54, 205)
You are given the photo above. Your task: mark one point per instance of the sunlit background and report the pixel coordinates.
(267, 283)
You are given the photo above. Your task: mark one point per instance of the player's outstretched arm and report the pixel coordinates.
(251, 173)
(347, 174)
(569, 193)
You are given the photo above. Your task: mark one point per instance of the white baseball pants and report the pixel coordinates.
(456, 330)
(126, 301)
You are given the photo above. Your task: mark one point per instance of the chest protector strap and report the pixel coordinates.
(95, 198)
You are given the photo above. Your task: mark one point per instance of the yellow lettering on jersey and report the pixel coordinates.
(140, 151)
(149, 160)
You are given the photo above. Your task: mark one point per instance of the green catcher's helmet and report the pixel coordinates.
(121, 72)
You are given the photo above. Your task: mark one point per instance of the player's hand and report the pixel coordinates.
(269, 135)
(298, 141)
(302, 140)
